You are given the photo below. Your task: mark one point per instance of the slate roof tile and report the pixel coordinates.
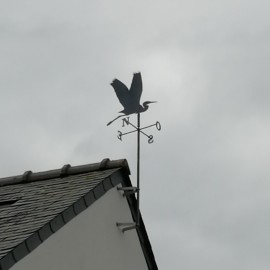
(40, 202)
(35, 205)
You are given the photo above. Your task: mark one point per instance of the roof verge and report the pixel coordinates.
(66, 170)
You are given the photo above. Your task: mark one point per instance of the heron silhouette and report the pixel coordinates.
(130, 99)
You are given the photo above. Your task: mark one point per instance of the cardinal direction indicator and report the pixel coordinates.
(125, 121)
(130, 99)
(137, 129)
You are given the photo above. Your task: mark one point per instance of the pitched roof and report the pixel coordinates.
(33, 206)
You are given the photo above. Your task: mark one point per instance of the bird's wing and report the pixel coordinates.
(121, 91)
(136, 88)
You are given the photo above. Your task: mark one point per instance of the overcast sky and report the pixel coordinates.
(205, 181)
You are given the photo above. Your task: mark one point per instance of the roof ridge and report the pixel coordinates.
(66, 170)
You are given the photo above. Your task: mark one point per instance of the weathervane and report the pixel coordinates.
(130, 99)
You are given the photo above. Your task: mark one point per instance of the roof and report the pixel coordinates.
(33, 206)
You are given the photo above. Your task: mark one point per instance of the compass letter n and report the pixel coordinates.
(125, 121)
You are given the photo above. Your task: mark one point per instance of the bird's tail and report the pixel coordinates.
(115, 119)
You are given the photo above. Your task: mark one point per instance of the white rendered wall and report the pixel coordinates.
(91, 241)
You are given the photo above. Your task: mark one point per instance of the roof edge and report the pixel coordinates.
(66, 170)
(60, 219)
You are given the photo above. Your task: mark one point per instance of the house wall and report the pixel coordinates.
(91, 241)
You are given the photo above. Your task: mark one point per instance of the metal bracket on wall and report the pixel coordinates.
(128, 190)
(125, 226)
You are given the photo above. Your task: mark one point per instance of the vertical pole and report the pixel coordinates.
(138, 169)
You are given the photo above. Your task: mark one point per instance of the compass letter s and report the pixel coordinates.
(150, 139)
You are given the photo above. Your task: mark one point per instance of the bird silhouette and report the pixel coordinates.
(130, 99)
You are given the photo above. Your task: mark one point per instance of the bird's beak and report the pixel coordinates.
(152, 101)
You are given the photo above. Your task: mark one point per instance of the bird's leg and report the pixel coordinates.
(116, 119)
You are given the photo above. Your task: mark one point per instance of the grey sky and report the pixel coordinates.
(205, 180)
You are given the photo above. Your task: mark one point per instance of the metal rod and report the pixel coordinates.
(122, 134)
(144, 133)
(133, 125)
(129, 132)
(148, 126)
(138, 169)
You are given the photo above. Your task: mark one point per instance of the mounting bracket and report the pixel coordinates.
(128, 190)
(126, 226)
